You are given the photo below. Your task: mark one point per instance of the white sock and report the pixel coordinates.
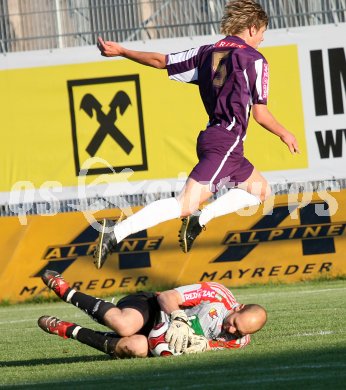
(235, 199)
(151, 215)
(70, 295)
(75, 332)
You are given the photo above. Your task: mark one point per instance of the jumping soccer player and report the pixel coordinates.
(232, 77)
(202, 316)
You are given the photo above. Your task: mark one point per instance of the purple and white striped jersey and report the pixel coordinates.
(231, 75)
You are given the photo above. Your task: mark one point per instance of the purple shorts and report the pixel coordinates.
(221, 159)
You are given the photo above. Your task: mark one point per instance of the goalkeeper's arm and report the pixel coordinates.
(199, 343)
(169, 301)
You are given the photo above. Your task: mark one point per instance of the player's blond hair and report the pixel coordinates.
(240, 15)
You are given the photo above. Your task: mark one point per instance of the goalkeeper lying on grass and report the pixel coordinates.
(202, 316)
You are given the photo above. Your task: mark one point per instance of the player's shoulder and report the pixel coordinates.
(217, 287)
(248, 58)
(251, 54)
(205, 49)
(260, 55)
(213, 285)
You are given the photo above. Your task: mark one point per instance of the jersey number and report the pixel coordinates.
(219, 67)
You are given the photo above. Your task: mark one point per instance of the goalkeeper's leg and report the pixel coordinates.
(96, 308)
(135, 313)
(107, 342)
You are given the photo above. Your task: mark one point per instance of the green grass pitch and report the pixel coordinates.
(302, 346)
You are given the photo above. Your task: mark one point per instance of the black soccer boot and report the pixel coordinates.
(107, 243)
(189, 231)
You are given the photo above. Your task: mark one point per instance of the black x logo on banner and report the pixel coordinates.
(128, 138)
(90, 104)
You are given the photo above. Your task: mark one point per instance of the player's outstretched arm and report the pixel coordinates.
(266, 119)
(113, 49)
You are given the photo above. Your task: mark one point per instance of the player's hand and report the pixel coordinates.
(108, 48)
(290, 140)
(177, 335)
(197, 344)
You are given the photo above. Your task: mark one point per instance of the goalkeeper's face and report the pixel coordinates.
(234, 323)
(245, 319)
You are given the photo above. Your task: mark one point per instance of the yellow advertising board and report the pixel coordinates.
(279, 242)
(54, 118)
